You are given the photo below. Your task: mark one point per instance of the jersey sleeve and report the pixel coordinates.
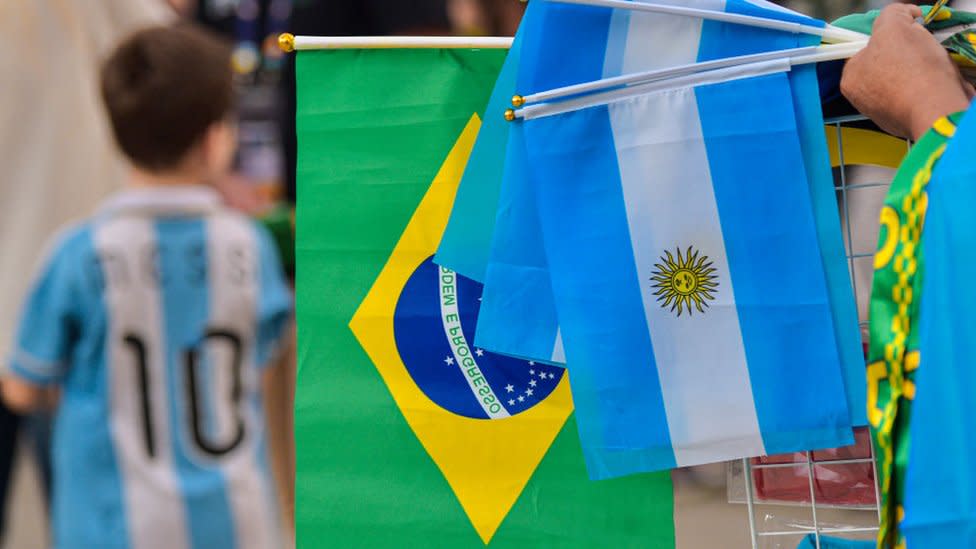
(274, 298)
(49, 320)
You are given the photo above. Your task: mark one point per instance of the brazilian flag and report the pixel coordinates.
(407, 434)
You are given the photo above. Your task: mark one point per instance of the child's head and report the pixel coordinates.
(168, 92)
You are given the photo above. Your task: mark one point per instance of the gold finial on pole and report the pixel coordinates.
(286, 41)
(517, 101)
(510, 115)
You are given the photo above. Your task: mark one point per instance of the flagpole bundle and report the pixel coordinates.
(828, 33)
(709, 72)
(289, 43)
(726, 74)
(650, 76)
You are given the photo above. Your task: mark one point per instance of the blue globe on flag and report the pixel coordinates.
(434, 325)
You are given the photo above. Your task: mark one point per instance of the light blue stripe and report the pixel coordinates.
(724, 40)
(720, 41)
(43, 338)
(274, 307)
(466, 242)
(82, 439)
(275, 300)
(518, 314)
(777, 275)
(940, 489)
(820, 179)
(186, 313)
(616, 390)
(263, 459)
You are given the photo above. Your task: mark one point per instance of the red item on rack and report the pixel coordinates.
(842, 484)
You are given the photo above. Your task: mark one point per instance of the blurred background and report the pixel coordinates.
(57, 161)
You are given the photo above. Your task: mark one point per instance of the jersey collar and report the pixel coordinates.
(171, 200)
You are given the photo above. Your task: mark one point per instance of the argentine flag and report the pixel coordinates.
(684, 259)
(517, 315)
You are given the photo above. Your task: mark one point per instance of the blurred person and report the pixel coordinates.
(56, 154)
(253, 25)
(503, 16)
(149, 324)
(486, 17)
(313, 18)
(256, 185)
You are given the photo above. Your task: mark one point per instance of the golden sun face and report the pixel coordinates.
(684, 283)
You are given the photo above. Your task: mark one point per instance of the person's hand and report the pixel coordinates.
(904, 79)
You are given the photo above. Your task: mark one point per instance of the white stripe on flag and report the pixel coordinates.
(654, 40)
(670, 204)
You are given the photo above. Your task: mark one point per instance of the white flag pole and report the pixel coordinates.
(725, 74)
(288, 42)
(650, 76)
(828, 33)
(692, 76)
(660, 74)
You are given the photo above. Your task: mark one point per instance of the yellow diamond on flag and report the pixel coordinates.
(486, 420)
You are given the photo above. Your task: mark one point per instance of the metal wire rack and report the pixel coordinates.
(864, 190)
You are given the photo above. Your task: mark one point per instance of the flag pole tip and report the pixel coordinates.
(286, 41)
(517, 101)
(510, 115)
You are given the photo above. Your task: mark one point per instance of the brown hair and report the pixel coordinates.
(163, 87)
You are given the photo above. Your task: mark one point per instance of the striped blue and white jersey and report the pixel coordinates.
(155, 318)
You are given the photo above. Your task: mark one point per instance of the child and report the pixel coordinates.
(154, 319)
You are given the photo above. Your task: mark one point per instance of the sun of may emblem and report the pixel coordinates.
(684, 282)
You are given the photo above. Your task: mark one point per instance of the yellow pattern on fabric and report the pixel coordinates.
(911, 364)
(944, 127)
(896, 360)
(890, 224)
(876, 372)
(487, 463)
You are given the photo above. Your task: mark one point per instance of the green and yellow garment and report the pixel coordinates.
(893, 357)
